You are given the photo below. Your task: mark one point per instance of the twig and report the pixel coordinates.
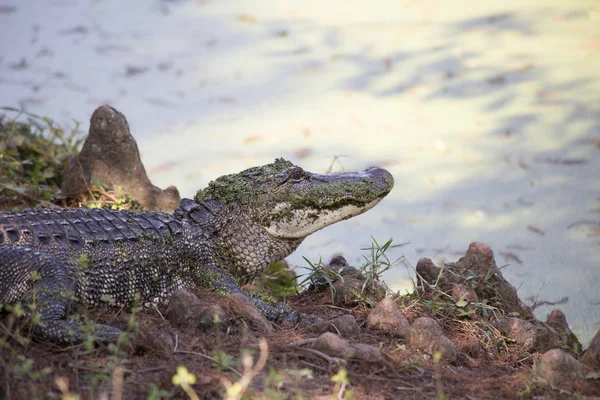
(313, 365)
(152, 369)
(235, 391)
(158, 311)
(332, 360)
(340, 395)
(302, 342)
(334, 307)
(195, 353)
(117, 383)
(9, 333)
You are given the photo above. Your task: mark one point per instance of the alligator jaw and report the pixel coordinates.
(322, 200)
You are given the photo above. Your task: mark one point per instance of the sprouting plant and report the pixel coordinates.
(185, 379)
(375, 264)
(235, 390)
(341, 382)
(414, 363)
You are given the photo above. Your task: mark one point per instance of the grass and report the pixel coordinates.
(33, 154)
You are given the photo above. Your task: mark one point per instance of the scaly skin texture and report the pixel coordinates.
(231, 232)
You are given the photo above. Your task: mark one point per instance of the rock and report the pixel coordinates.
(344, 326)
(347, 292)
(340, 266)
(462, 292)
(250, 313)
(334, 346)
(387, 318)
(533, 336)
(479, 257)
(425, 334)
(490, 284)
(558, 321)
(110, 156)
(160, 342)
(188, 312)
(366, 352)
(351, 291)
(484, 277)
(428, 273)
(591, 357)
(426, 326)
(559, 369)
(337, 268)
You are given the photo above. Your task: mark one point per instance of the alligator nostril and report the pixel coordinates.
(381, 174)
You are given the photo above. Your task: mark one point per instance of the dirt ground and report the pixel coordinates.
(145, 367)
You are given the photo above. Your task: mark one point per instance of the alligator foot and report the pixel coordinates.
(272, 311)
(281, 313)
(46, 289)
(74, 331)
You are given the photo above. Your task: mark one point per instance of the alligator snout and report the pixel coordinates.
(382, 176)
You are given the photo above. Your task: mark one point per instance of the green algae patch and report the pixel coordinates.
(242, 187)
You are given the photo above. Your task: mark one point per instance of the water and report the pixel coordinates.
(487, 114)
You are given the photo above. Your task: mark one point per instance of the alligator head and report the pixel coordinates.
(289, 203)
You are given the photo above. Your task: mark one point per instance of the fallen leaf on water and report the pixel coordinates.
(388, 63)
(163, 66)
(593, 142)
(133, 71)
(536, 230)
(385, 163)
(7, 9)
(113, 48)
(166, 166)
(77, 30)
(509, 256)
(566, 161)
(303, 152)
(246, 18)
(22, 64)
(357, 121)
(158, 102)
(227, 99)
(585, 222)
(590, 44)
(526, 202)
(519, 247)
(252, 138)
(522, 163)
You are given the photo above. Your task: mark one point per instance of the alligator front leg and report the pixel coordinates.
(33, 278)
(218, 280)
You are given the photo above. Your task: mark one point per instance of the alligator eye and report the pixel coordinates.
(296, 175)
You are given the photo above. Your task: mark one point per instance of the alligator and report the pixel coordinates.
(229, 233)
